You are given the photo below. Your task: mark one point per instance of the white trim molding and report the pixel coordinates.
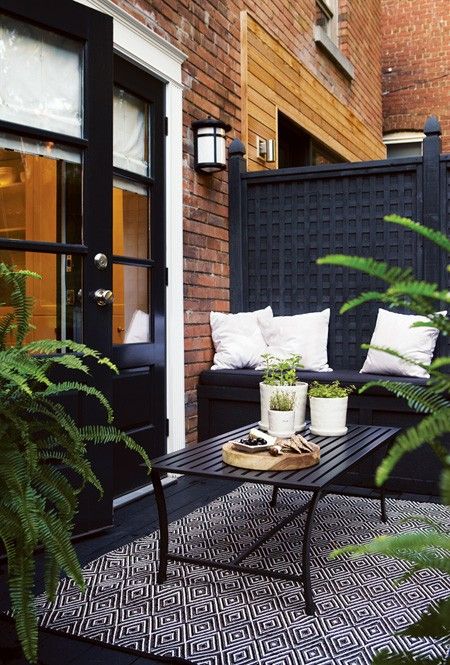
(403, 137)
(140, 45)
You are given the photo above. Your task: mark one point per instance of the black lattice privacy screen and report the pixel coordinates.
(290, 218)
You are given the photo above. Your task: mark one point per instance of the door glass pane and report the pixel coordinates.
(130, 219)
(40, 192)
(131, 321)
(40, 78)
(57, 309)
(131, 133)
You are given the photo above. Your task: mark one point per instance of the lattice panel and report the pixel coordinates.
(291, 224)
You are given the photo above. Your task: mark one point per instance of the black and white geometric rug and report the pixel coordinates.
(216, 617)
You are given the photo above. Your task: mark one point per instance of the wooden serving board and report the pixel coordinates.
(264, 461)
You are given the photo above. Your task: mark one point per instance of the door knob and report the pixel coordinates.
(103, 297)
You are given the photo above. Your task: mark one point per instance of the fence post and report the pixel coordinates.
(431, 195)
(236, 166)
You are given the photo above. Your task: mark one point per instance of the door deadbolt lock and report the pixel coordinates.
(101, 261)
(103, 297)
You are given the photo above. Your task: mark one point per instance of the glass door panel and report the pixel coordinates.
(40, 196)
(57, 308)
(131, 308)
(41, 200)
(131, 219)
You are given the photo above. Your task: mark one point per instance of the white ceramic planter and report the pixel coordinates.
(300, 391)
(281, 423)
(328, 415)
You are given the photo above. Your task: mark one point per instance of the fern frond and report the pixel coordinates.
(400, 543)
(438, 363)
(55, 488)
(51, 576)
(378, 269)
(418, 289)
(445, 483)
(435, 236)
(362, 298)
(21, 578)
(435, 622)
(419, 398)
(73, 386)
(21, 303)
(56, 535)
(426, 521)
(396, 354)
(103, 434)
(385, 657)
(6, 326)
(50, 347)
(429, 429)
(71, 361)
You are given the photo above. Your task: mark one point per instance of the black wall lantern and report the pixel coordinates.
(209, 145)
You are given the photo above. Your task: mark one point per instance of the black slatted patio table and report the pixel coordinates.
(204, 459)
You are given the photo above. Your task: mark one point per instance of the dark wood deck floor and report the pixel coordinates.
(131, 521)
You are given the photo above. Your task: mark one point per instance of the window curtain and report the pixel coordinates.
(130, 142)
(40, 78)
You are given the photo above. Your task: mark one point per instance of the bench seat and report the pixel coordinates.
(229, 398)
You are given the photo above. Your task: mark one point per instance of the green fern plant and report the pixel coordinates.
(429, 548)
(38, 440)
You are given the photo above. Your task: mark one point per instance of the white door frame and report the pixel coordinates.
(138, 44)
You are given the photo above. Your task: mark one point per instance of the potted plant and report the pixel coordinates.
(282, 372)
(43, 452)
(281, 414)
(328, 408)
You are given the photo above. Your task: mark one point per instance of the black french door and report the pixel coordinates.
(138, 269)
(57, 216)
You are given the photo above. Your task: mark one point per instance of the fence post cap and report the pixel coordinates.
(236, 148)
(432, 126)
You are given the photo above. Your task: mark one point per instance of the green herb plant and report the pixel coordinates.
(39, 442)
(281, 371)
(282, 401)
(429, 548)
(331, 390)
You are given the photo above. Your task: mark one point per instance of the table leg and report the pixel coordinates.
(163, 525)
(273, 501)
(306, 562)
(384, 517)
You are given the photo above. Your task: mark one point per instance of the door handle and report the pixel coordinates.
(103, 297)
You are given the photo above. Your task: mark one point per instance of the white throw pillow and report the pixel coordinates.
(237, 338)
(304, 334)
(394, 331)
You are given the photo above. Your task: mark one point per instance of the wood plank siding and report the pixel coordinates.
(274, 80)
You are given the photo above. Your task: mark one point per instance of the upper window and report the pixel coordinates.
(403, 144)
(40, 78)
(327, 17)
(326, 35)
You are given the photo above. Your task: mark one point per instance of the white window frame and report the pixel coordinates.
(133, 40)
(404, 137)
(331, 10)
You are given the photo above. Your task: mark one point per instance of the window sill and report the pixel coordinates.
(329, 47)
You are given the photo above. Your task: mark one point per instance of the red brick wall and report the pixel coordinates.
(416, 62)
(208, 31)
